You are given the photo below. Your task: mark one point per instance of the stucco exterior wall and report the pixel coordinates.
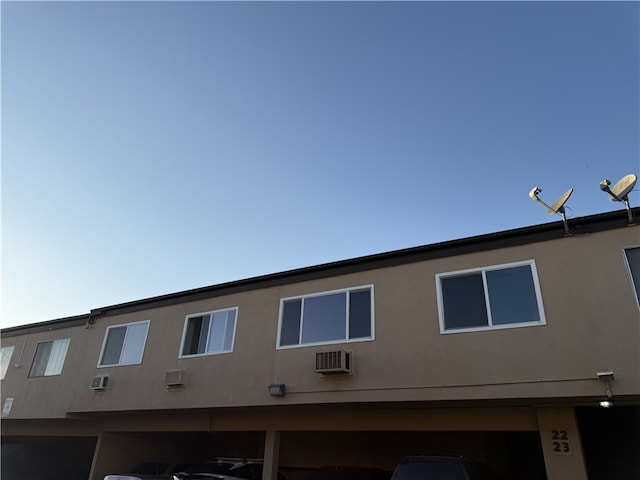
(591, 325)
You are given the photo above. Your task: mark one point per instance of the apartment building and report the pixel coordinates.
(498, 347)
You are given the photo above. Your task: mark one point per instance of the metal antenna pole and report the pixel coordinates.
(564, 220)
(629, 213)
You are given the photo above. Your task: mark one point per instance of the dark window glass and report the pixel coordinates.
(290, 328)
(41, 359)
(633, 259)
(512, 296)
(324, 318)
(204, 333)
(113, 346)
(210, 333)
(194, 338)
(360, 314)
(463, 301)
(49, 358)
(124, 344)
(327, 318)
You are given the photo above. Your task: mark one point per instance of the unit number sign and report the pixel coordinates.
(560, 441)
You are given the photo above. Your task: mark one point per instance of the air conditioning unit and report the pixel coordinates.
(99, 383)
(174, 378)
(333, 362)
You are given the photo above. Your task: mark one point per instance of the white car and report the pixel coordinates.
(225, 469)
(151, 471)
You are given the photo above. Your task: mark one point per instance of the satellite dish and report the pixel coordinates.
(556, 207)
(620, 191)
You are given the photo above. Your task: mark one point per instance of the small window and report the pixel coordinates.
(124, 344)
(487, 298)
(6, 358)
(632, 257)
(210, 332)
(49, 358)
(329, 317)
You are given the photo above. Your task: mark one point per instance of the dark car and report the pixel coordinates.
(348, 473)
(440, 467)
(150, 471)
(205, 470)
(225, 469)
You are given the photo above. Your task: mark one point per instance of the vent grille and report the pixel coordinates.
(333, 362)
(174, 378)
(99, 383)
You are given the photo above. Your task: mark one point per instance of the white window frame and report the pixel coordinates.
(328, 342)
(211, 313)
(634, 288)
(483, 271)
(106, 336)
(5, 355)
(52, 368)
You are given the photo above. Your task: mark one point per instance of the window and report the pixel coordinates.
(494, 297)
(6, 358)
(124, 344)
(210, 332)
(632, 256)
(49, 358)
(327, 317)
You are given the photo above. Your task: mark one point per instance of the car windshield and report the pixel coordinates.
(430, 471)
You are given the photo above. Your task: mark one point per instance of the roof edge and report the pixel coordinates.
(491, 241)
(45, 326)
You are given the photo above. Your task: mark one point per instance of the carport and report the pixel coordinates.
(298, 439)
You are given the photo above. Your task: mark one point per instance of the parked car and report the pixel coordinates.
(348, 473)
(205, 470)
(225, 469)
(440, 467)
(151, 471)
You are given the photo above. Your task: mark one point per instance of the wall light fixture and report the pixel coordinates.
(606, 377)
(276, 389)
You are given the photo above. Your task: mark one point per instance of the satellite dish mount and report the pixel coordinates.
(620, 191)
(557, 207)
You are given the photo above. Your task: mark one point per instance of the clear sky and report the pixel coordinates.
(150, 148)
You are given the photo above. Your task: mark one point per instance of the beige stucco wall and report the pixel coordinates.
(592, 325)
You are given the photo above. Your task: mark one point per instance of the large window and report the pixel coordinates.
(209, 333)
(493, 297)
(632, 256)
(124, 344)
(49, 358)
(6, 358)
(328, 317)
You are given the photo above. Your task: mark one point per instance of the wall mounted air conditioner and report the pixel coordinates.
(333, 362)
(99, 383)
(174, 378)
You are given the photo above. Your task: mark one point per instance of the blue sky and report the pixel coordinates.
(150, 148)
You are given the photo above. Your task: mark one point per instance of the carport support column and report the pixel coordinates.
(561, 444)
(271, 455)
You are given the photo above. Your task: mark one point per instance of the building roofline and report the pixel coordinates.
(45, 326)
(491, 241)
